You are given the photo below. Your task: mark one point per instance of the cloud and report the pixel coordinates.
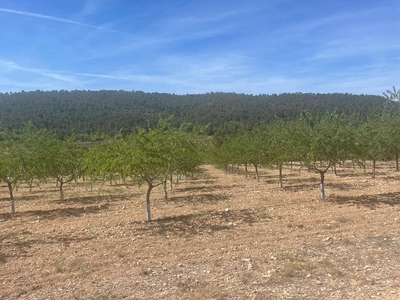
(56, 19)
(185, 21)
(14, 77)
(12, 66)
(91, 7)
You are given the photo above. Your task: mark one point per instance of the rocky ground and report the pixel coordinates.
(219, 236)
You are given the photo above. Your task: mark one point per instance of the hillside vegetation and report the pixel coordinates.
(108, 112)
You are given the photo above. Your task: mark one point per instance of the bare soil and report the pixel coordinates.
(219, 236)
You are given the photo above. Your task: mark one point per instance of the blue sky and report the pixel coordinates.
(186, 47)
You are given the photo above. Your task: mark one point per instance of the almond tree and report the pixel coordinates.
(185, 155)
(62, 160)
(258, 151)
(152, 155)
(371, 142)
(103, 160)
(33, 140)
(281, 145)
(392, 128)
(21, 157)
(12, 164)
(322, 142)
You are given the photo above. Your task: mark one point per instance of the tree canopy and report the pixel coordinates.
(111, 111)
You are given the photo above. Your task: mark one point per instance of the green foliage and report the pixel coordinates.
(154, 154)
(104, 159)
(392, 95)
(107, 112)
(323, 141)
(62, 160)
(12, 162)
(146, 156)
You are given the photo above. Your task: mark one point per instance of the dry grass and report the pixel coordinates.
(220, 236)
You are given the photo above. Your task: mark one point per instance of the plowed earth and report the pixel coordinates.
(219, 236)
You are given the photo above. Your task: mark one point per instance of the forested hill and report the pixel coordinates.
(109, 111)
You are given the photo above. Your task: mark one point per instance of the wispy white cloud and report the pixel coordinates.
(11, 66)
(190, 20)
(56, 19)
(14, 77)
(91, 7)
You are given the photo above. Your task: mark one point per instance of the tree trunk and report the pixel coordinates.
(165, 190)
(30, 184)
(170, 182)
(245, 170)
(322, 176)
(280, 183)
(10, 189)
(61, 190)
(257, 176)
(397, 162)
(373, 168)
(334, 169)
(148, 211)
(322, 184)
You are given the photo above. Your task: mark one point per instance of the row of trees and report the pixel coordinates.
(145, 156)
(152, 156)
(317, 142)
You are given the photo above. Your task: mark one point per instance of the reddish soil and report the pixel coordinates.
(219, 236)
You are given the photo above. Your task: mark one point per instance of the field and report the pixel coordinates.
(219, 236)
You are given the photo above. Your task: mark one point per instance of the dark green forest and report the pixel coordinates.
(108, 112)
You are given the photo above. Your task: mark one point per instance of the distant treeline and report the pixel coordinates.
(109, 112)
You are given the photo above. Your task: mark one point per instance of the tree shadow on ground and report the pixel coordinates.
(207, 222)
(23, 198)
(95, 199)
(207, 188)
(56, 213)
(342, 186)
(24, 240)
(298, 187)
(355, 174)
(195, 181)
(370, 201)
(291, 180)
(196, 199)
